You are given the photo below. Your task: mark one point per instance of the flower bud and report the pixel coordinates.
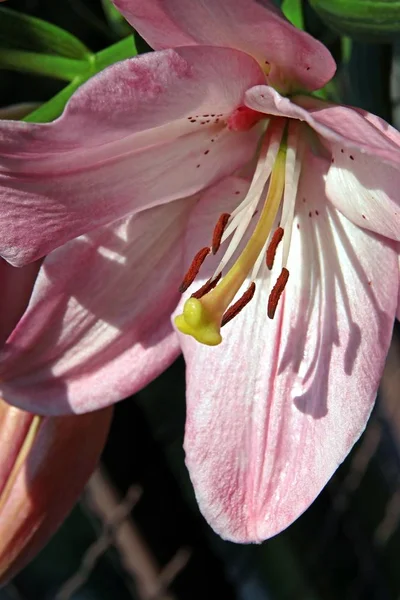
(377, 21)
(44, 464)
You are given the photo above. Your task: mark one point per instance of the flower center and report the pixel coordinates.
(210, 307)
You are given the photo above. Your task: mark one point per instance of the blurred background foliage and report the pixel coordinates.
(137, 532)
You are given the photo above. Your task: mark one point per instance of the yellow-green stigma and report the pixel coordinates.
(199, 323)
(210, 308)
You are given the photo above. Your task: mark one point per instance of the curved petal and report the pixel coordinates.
(276, 407)
(16, 288)
(143, 132)
(353, 128)
(257, 28)
(363, 181)
(98, 328)
(365, 190)
(398, 303)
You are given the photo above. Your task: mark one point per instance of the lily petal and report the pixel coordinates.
(354, 128)
(125, 142)
(16, 289)
(398, 304)
(257, 28)
(364, 178)
(98, 328)
(277, 406)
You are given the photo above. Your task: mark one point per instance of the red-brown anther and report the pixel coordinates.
(271, 251)
(194, 269)
(207, 287)
(218, 232)
(239, 304)
(276, 292)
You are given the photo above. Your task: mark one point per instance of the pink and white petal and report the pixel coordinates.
(97, 328)
(363, 181)
(277, 406)
(348, 127)
(120, 145)
(257, 28)
(398, 303)
(366, 190)
(16, 289)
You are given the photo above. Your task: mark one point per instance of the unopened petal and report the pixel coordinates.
(277, 406)
(61, 457)
(255, 27)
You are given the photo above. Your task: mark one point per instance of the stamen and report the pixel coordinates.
(276, 292)
(276, 239)
(237, 306)
(207, 287)
(194, 269)
(218, 231)
(201, 318)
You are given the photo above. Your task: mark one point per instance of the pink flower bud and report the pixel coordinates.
(45, 463)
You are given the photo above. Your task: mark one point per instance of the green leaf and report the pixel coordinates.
(42, 64)
(24, 32)
(293, 11)
(52, 109)
(366, 20)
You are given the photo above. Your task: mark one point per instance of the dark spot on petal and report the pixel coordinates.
(237, 192)
(206, 151)
(308, 68)
(197, 166)
(213, 140)
(342, 151)
(298, 226)
(193, 120)
(304, 199)
(351, 157)
(364, 217)
(316, 212)
(333, 160)
(310, 214)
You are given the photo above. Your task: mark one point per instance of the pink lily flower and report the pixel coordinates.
(144, 165)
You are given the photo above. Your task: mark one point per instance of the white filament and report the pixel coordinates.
(242, 215)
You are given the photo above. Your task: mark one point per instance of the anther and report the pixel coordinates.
(194, 269)
(207, 287)
(276, 292)
(238, 305)
(271, 251)
(218, 232)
